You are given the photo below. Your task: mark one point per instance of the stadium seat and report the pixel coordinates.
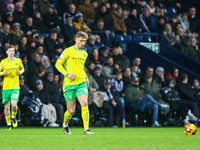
(124, 47)
(53, 1)
(45, 35)
(119, 38)
(172, 11)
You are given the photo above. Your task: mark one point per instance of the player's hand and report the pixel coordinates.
(18, 72)
(71, 76)
(87, 82)
(6, 72)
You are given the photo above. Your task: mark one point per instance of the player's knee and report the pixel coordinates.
(71, 111)
(14, 107)
(7, 108)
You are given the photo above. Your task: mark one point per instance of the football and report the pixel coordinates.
(190, 129)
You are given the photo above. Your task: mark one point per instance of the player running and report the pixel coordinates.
(11, 68)
(75, 84)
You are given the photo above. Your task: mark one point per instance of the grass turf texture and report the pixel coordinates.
(105, 139)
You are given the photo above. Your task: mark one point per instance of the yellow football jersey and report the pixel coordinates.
(73, 61)
(11, 80)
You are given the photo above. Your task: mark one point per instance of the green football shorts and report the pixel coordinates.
(72, 91)
(8, 95)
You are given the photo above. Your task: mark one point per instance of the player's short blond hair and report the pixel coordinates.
(9, 47)
(81, 34)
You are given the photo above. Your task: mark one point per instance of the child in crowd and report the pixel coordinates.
(95, 56)
(134, 71)
(118, 85)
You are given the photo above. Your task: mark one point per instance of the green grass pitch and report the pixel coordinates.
(105, 139)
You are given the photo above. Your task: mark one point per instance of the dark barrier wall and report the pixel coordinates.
(150, 58)
(180, 57)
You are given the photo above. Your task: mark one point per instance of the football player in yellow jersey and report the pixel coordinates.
(75, 84)
(11, 68)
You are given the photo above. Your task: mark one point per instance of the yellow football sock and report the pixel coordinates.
(85, 117)
(67, 117)
(14, 114)
(8, 119)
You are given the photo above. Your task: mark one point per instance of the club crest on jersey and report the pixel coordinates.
(61, 55)
(84, 55)
(16, 64)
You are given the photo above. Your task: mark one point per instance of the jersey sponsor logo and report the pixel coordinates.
(70, 96)
(78, 58)
(62, 55)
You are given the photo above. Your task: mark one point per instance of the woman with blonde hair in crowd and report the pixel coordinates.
(192, 49)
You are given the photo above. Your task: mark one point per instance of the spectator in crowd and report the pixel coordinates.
(193, 22)
(134, 71)
(34, 64)
(23, 45)
(108, 68)
(196, 85)
(119, 25)
(117, 67)
(171, 96)
(160, 25)
(9, 19)
(25, 64)
(78, 22)
(192, 49)
(53, 97)
(17, 53)
(31, 47)
(11, 8)
(88, 11)
(51, 42)
(174, 74)
(94, 56)
(16, 31)
(190, 97)
(151, 6)
(103, 50)
(184, 39)
(100, 27)
(48, 110)
(133, 23)
(168, 37)
(99, 77)
(43, 6)
(127, 77)
(90, 45)
(147, 21)
(118, 85)
(52, 20)
(5, 4)
(71, 11)
(156, 15)
(28, 26)
(153, 89)
(84, 28)
(111, 102)
(5, 36)
(141, 101)
(46, 65)
(40, 41)
(38, 74)
(61, 41)
(56, 53)
(105, 15)
(90, 67)
(19, 13)
(126, 5)
(32, 6)
(137, 62)
(159, 76)
(68, 29)
(150, 71)
(184, 21)
(38, 22)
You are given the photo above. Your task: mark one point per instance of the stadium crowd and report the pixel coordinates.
(41, 29)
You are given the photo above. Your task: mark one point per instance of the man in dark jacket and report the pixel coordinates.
(51, 42)
(99, 77)
(191, 97)
(34, 64)
(38, 22)
(194, 21)
(143, 102)
(127, 77)
(19, 14)
(31, 6)
(112, 103)
(52, 20)
(68, 29)
(53, 96)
